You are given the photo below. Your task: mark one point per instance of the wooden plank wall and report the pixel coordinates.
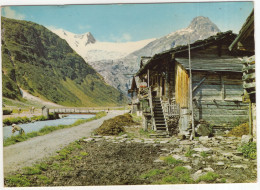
(181, 86)
(218, 99)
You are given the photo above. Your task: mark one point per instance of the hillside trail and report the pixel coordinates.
(38, 148)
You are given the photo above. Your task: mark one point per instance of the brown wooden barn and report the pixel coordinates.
(216, 90)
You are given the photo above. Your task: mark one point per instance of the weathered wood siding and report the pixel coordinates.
(218, 99)
(181, 86)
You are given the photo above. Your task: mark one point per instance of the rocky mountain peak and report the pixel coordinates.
(88, 38)
(202, 23)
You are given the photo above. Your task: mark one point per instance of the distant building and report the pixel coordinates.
(215, 95)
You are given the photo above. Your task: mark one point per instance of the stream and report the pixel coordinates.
(36, 126)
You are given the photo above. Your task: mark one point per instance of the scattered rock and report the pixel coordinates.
(246, 139)
(197, 174)
(209, 169)
(188, 167)
(204, 139)
(97, 136)
(125, 136)
(182, 158)
(177, 150)
(186, 142)
(240, 166)
(158, 161)
(220, 164)
(89, 140)
(206, 150)
(203, 129)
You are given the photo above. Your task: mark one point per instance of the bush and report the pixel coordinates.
(7, 112)
(248, 150)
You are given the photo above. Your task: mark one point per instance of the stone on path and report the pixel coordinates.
(89, 140)
(220, 164)
(246, 139)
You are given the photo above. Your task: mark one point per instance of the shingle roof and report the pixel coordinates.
(215, 64)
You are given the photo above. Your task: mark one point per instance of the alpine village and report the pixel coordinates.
(186, 115)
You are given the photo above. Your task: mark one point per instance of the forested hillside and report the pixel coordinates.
(37, 60)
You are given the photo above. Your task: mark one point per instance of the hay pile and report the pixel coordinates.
(239, 131)
(115, 125)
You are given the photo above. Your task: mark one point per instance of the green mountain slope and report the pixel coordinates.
(37, 60)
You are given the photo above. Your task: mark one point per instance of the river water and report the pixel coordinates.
(36, 126)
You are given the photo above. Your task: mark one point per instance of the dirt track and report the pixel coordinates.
(26, 153)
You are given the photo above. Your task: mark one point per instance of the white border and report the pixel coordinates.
(242, 186)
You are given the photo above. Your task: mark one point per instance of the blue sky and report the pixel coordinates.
(132, 22)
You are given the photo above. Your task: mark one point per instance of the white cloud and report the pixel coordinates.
(125, 37)
(83, 27)
(10, 13)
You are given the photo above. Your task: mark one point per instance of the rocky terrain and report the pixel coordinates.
(134, 158)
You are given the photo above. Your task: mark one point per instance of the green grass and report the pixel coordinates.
(210, 177)
(248, 150)
(204, 154)
(189, 153)
(179, 175)
(152, 173)
(16, 120)
(48, 129)
(171, 161)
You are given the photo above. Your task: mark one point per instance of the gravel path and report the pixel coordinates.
(28, 152)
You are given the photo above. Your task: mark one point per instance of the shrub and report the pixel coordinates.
(248, 150)
(7, 112)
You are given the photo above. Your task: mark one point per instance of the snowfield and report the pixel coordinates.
(91, 50)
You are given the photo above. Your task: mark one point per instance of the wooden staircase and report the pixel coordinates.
(160, 124)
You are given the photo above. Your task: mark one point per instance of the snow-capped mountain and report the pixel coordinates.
(91, 50)
(117, 61)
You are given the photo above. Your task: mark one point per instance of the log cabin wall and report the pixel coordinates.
(218, 99)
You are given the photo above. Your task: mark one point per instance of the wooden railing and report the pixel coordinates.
(170, 108)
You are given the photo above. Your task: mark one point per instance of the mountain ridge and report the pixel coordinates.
(38, 61)
(118, 72)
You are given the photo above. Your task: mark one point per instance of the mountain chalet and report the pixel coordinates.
(174, 98)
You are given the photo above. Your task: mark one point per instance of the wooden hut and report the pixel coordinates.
(245, 42)
(215, 95)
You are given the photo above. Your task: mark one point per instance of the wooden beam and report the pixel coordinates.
(248, 76)
(223, 91)
(249, 85)
(250, 67)
(202, 80)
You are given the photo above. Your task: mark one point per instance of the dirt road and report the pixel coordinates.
(28, 152)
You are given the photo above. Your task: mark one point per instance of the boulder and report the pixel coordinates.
(203, 130)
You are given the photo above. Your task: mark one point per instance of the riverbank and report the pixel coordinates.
(48, 129)
(36, 149)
